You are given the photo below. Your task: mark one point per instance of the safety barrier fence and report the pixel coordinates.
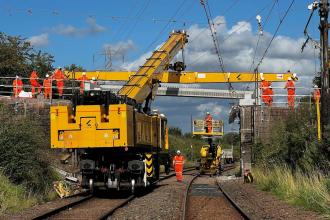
(279, 97)
(214, 127)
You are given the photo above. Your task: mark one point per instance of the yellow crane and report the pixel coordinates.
(120, 144)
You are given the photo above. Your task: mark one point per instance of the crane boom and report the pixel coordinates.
(146, 79)
(188, 77)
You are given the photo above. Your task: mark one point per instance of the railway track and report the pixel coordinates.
(205, 199)
(94, 206)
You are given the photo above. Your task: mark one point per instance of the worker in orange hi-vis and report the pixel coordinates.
(17, 86)
(59, 77)
(47, 84)
(290, 86)
(208, 122)
(178, 162)
(264, 87)
(82, 80)
(34, 82)
(317, 94)
(270, 93)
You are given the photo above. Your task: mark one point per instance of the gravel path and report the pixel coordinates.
(164, 202)
(263, 205)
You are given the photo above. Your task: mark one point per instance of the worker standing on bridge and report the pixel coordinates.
(82, 80)
(17, 86)
(270, 96)
(264, 87)
(208, 122)
(59, 77)
(317, 94)
(178, 162)
(47, 84)
(290, 86)
(34, 82)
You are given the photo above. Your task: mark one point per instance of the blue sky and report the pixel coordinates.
(73, 31)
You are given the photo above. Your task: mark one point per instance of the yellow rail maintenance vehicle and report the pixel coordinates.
(121, 142)
(210, 154)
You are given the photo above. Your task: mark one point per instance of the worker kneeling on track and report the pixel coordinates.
(178, 162)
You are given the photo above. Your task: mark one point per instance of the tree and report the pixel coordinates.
(175, 131)
(18, 57)
(74, 68)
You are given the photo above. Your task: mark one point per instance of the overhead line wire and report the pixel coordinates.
(165, 27)
(230, 35)
(274, 35)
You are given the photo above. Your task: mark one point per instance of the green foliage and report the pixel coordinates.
(22, 158)
(311, 192)
(175, 131)
(17, 57)
(188, 145)
(13, 198)
(74, 68)
(293, 142)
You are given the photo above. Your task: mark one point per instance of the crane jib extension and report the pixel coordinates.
(141, 84)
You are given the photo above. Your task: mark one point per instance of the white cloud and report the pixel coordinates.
(39, 40)
(69, 30)
(237, 44)
(212, 107)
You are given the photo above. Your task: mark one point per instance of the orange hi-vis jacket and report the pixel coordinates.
(47, 84)
(33, 79)
(178, 162)
(82, 80)
(264, 86)
(17, 86)
(58, 75)
(290, 86)
(208, 123)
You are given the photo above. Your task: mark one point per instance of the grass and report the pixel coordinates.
(13, 198)
(311, 192)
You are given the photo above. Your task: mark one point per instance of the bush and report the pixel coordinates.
(22, 159)
(293, 142)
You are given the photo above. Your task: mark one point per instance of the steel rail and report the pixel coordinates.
(231, 201)
(88, 197)
(237, 207)
(62, 208)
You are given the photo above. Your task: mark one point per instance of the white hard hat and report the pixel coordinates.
(93, 78)
(47, 75)
(17, 77)
(270, 87)
(84, 74)
(289, 78)
(315, 86)
(59, 67)
(207, 113)
(178, 152)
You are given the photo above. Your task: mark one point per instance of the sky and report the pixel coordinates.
(80, 32)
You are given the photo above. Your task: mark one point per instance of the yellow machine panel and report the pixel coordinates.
(92, 128)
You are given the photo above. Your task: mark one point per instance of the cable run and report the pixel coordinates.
(230, 35)
(213, 33)
(276, 31)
